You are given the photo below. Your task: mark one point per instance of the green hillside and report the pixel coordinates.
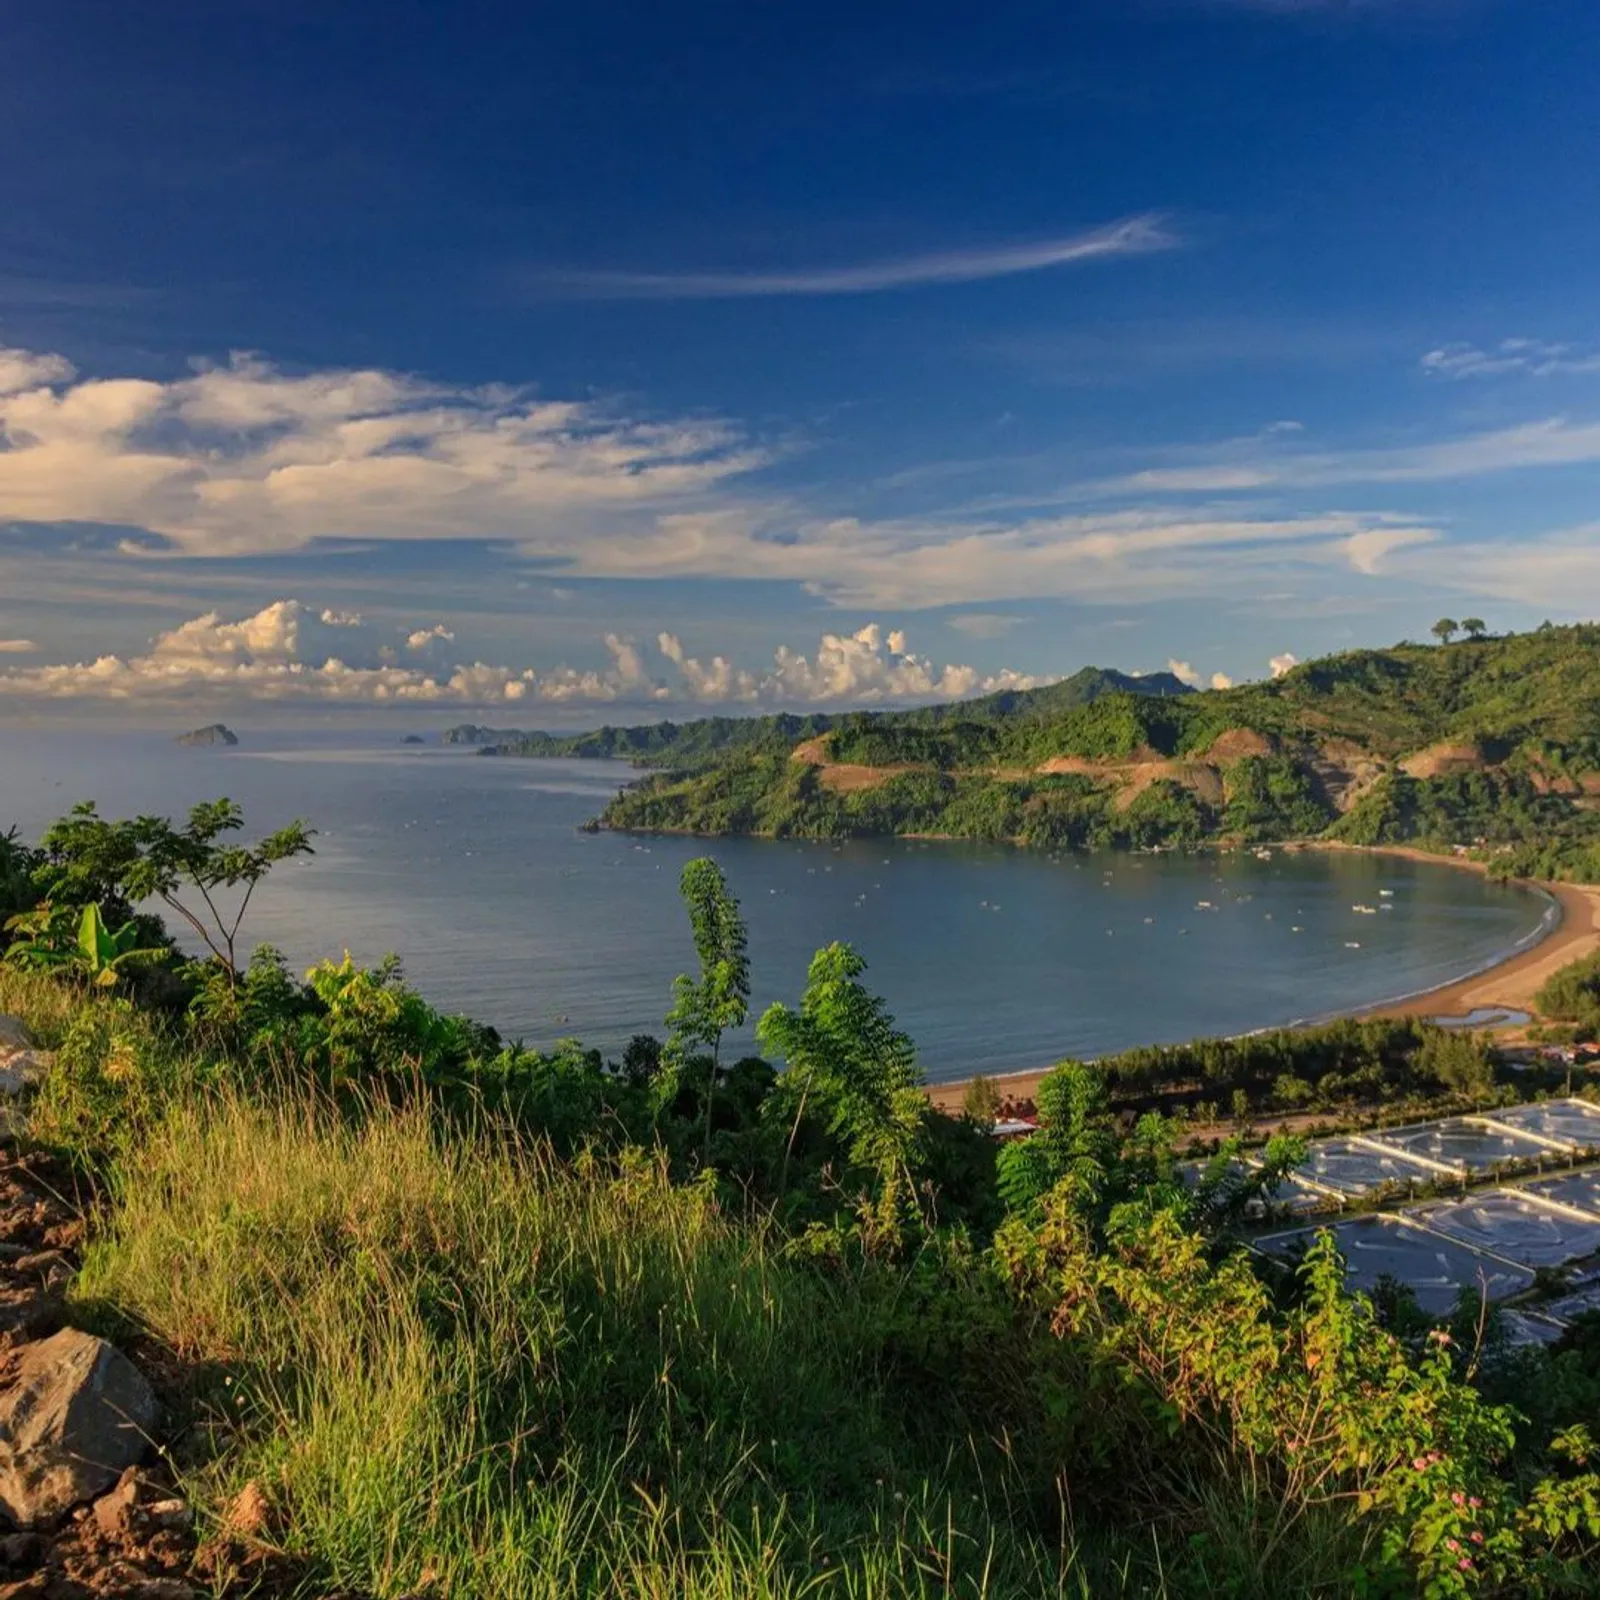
(1491, 744)
(685, 745)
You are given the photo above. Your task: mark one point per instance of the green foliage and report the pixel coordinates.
(704, 1009)
(1273, 797)
(112, 1075)
(1572, 995)
(45, 940)
(17, 892)
(1445, 629)
(1525, 707)
(89, 860)
(851, 1066)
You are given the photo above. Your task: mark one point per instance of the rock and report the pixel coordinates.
(38, 1587)
(21, 1068)
(247, 1517)
(113, 1512)
(26, 1313)
(170, 1513)
(21, 1552)
(13, 1034)
(77, 1413)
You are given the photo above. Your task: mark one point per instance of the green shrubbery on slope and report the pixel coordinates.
(511, 1322)
(1518, 712)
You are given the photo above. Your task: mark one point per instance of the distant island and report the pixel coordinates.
(212, 733)
(413, 738)
(1484, 744)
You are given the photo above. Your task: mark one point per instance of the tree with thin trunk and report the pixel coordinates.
(191, 870)
(1474, 627)
(847, 1060)
(704, 1009)
(1445, 629)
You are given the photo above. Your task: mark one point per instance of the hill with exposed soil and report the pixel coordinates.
(1489, 744)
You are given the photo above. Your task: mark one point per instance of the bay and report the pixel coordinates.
(476, 872)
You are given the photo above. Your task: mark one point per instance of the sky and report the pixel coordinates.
(567, 364)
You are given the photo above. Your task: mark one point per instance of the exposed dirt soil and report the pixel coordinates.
(1238, 743)
(1441, 758)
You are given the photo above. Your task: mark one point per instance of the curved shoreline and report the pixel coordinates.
(1509, 983)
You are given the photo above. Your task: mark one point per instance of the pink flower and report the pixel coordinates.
(1458, 1499)
(1452, 1545)
(1474, 1502)
(1477, 1536)
(1465, 1563)
(1420, 1463)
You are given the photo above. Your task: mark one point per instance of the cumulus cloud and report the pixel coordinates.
(423, 638)
(1282, 664)
(21, 370)
(860, 668)
(287, 652)
(1184, 673)
(246, 459)
(1132, 236)
(1537, 358)
(341, 619)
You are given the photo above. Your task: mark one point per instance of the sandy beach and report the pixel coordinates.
(1510, 985)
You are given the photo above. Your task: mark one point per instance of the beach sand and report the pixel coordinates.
(1509, 986)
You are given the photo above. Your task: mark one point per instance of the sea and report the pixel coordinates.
(476, 871)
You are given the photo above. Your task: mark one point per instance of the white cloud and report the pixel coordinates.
(1282, 664)
(1244, 465)
(1221, 680)
(21, 370)
(423, 638)
(1132, 236)
(281, 654)
(245, 459)
(1183, 672)
(341, 619)
(1139, 553)
(859, 668)
(17, 647)
(1538, 358)
(984, 624)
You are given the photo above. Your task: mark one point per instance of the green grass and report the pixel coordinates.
(529, 1380)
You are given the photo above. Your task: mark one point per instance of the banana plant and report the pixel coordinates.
(98, 953)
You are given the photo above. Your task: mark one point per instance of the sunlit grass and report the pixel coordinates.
(464, 1364)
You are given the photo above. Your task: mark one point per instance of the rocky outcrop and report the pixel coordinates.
(212, 733)
(76, 1414)
(21, 1065)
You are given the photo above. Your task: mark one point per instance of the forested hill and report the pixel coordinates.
(694, 744)
(1488, 743)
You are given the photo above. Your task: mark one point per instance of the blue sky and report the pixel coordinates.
(634, 357)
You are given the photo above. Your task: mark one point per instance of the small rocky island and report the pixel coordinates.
(413, 738)
(212, 733)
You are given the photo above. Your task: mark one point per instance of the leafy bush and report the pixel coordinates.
(1573, 995)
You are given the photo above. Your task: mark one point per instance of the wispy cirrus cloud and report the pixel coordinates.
(17, 647)
(1242, 465)
(1535, 358)
(1133, 236)
(286, 653)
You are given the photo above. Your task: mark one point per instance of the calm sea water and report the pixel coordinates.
(474, 870)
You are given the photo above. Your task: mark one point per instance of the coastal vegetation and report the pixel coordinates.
(467, 1317)
(1484, 745)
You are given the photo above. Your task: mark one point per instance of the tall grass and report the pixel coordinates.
(465, 1365)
